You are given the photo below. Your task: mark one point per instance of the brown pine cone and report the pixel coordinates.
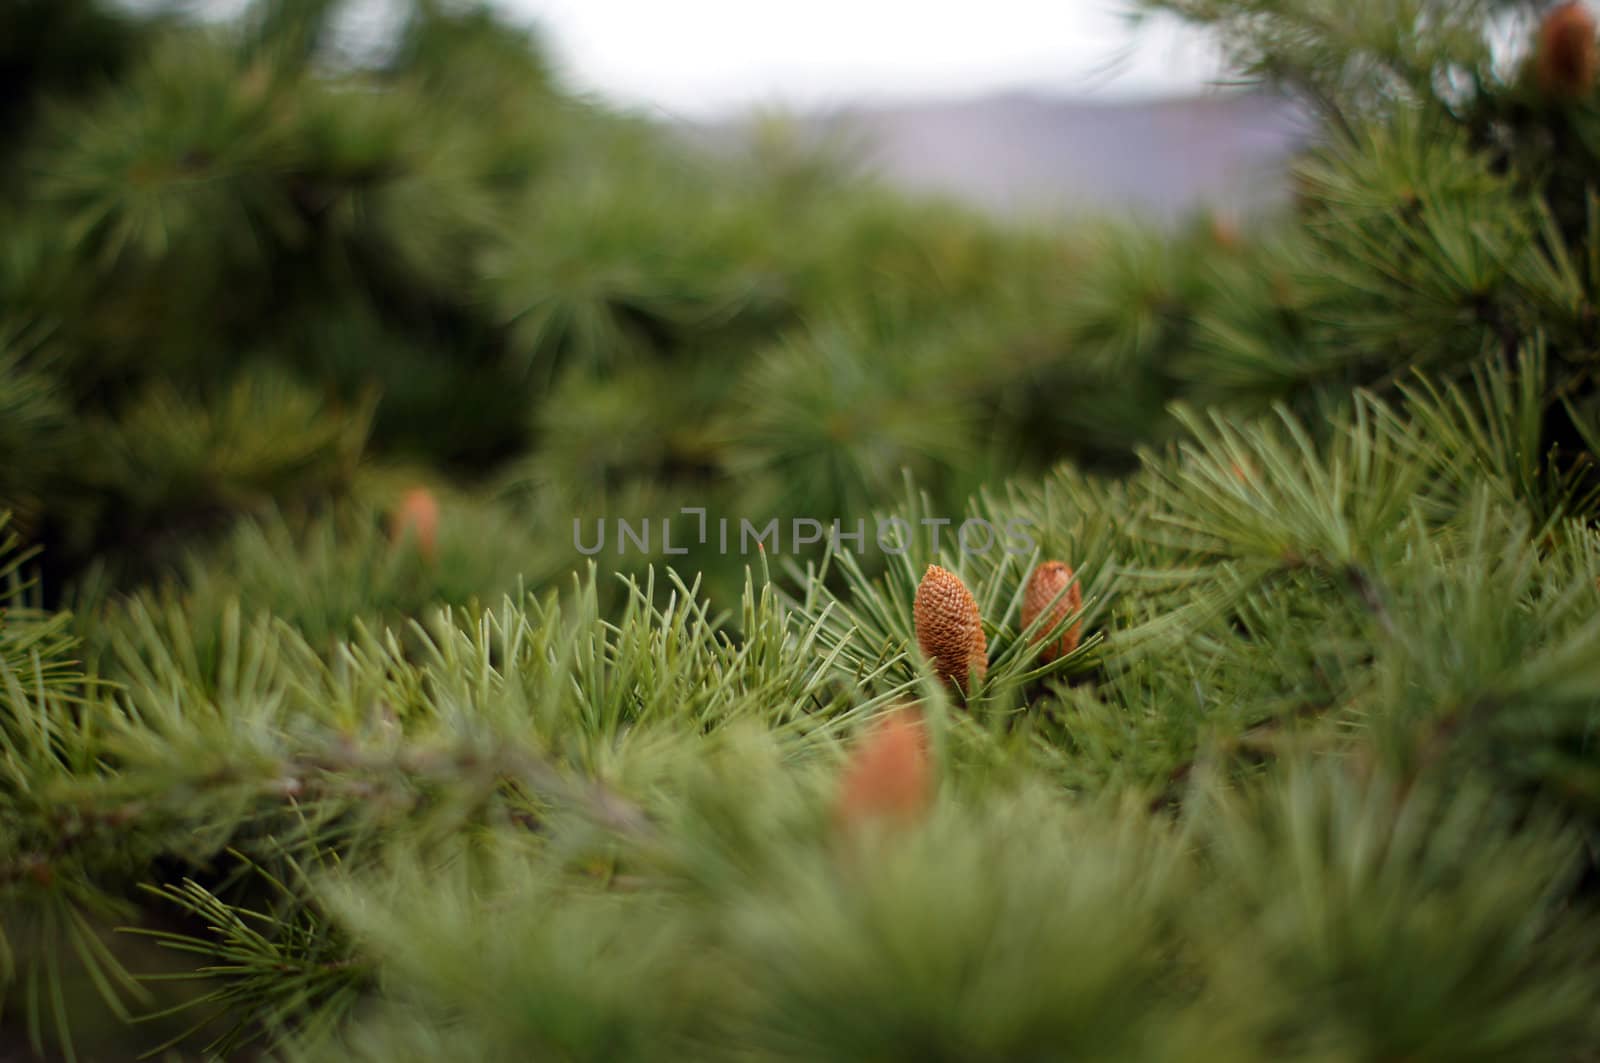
(1567, 57)
(1044, 591)
(949, 629)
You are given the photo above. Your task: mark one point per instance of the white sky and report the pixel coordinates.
(698, 57)
(704, 57)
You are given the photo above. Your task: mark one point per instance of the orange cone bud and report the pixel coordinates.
(417, 515)
(1051, 588)
(890, 774)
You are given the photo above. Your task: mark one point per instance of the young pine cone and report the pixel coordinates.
(949, 629)
(417, 516)
(1567, 57)
(1045, 592)
(889, 775)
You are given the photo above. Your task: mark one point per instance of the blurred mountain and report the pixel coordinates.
(1023, 152)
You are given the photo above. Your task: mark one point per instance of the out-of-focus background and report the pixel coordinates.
(1021, 106)
(271, 267)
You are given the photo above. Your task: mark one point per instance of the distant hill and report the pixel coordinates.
(1016, 152)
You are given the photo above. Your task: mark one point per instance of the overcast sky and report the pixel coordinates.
(706, 57)
(699, 57)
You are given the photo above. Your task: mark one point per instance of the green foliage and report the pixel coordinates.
(832, 418)
(284, 954)
(1356, 61)
(168, 465)
(303, 774)
(34, 415)
(1355, 900)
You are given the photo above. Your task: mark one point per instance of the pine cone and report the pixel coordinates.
(1566, 59)
(1044, 592)
(417, 515)
(949, 629)
(1225, 232)
(889, 776)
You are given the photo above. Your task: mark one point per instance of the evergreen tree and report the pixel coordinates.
(1274, 739)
